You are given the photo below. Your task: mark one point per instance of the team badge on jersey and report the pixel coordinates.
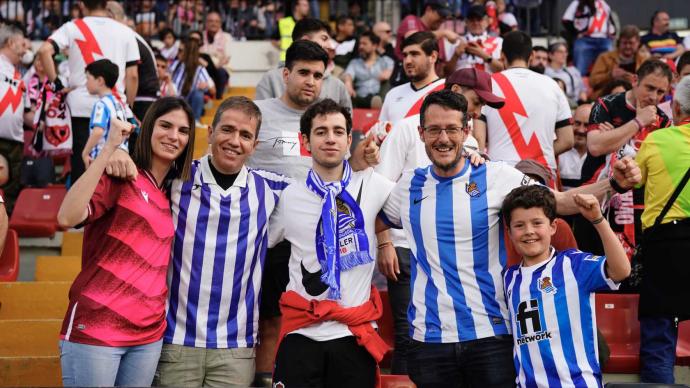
(472, 189)
(145, 195)
(546, 286)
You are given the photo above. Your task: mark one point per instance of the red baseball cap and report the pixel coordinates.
(480, 82)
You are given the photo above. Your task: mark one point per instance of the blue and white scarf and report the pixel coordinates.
(337, 228)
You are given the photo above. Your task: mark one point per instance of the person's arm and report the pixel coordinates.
(74, 208)
(131, 83)
(45, 55)
(617, 263)
(94, 137)
(604, 142)
(679, 51)
(626, 174)
(386, 258)
(564, 140)
(452, 62)
(601, 73)
(347, 80)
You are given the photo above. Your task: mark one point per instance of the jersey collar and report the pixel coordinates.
(208, 178)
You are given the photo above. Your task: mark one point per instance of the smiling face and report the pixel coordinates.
(443, 135)
(328, 141)
(170, 135)
(530, 232)
(232, 140)
(303, 82)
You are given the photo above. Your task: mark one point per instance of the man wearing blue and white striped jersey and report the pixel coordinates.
(450, 214)
(551, 294)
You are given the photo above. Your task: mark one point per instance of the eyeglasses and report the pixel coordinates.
(435, 132)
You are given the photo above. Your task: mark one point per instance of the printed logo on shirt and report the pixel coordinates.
(418, 200)
(532, 328)
(546, 286)
(99, 111)
(145, 195)
(472, 189)
(279, 384)
(525, 180)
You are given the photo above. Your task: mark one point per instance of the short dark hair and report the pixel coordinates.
(425, 39)
(242, 104)
(95, 4)
(517, 45)
(683, 61)
(540, 48)
(160, 57)
(143, 153)
(342, 19)
(372, 37)
(652, 66)
(324, 107)
(305, 50)
(447, 99)
(608, 88)
(308, 26)
(629, 31)
(527, 197)
(555, 46)
(106, 69)
(166, 31)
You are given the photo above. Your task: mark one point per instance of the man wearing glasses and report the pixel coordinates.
(450, 213)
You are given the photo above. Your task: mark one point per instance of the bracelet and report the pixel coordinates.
(598, 220)
(383, 244)
(639, 124)
(616, 187)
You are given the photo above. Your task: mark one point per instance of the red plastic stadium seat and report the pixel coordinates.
(683, 345)
(617, 321)
(363, 119)
(9, 260)
(35, 212)
(386, 328)
(396, 381)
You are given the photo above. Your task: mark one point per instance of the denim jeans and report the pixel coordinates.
(586, 50)
(105, 366)
(482, 363)
(658, 337)
(195, 98)
(399, 298)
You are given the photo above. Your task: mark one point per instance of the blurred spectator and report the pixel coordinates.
(616, 86)
(385, 33)
(619, 64)
(361, 20)
(12, 11)
(663, 160)
(590, 23)
(435, 13)
(190, 78)
(205, 59)
(539, 59)
(570, 162)
(4, 178)
(145, 20)
(216, 43)
(75, 12)
(167, 86)
(477, 48)
(661, 42)
(682, 69)
(558, 68)
(15, 115)
(345, 40)
(272, 84)
(170, 44)
(266, 19)
(182, 18)
(43, 20)
(506, 20)
(364, 74)
(300, 10)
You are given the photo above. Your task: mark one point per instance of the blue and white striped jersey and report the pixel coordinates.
(217, 258)
(178, 71)
(553, 319)
(104, 110)
(455, 233)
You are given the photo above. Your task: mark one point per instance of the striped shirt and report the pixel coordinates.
(454, 231)
(218, 257)
(104, 110)
(178, 74)
(553, 319)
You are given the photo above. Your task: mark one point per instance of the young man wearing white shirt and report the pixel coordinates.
(327, 330)
(450, 214)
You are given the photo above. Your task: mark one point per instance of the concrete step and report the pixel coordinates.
(72, 243)
(30, 371)
(33, 300)
(29, 337)
(57, 268)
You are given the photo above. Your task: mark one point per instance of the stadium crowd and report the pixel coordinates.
(503, 184)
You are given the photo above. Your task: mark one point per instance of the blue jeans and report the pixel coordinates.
(104, 366)
(658, 337)
(586, 50)
(485, 363)
(195, 98)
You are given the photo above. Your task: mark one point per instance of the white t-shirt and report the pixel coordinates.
(404, 100)
(296, 219)
(570, 166)
(13, 95)
(525, 128)
(90, 39)
(491, 44)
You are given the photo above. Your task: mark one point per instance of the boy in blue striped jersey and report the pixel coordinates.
(550, 294)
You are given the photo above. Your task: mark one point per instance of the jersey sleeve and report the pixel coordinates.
(569, 14)
(61, 36)
(350, 70)
(394, 151)
(276, 224)
(590, 271)
(564, 114)
(510, 178)
(276, 182)
(100, 116)
(132, 49)
(600, 114)
(104, 198)
(392, 208)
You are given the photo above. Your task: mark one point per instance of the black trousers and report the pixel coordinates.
(303, 362)
(80, 135)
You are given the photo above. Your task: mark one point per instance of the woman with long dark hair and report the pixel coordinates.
(113, 329)
(190, 78)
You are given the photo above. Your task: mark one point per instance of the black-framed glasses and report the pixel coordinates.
(452, 132)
